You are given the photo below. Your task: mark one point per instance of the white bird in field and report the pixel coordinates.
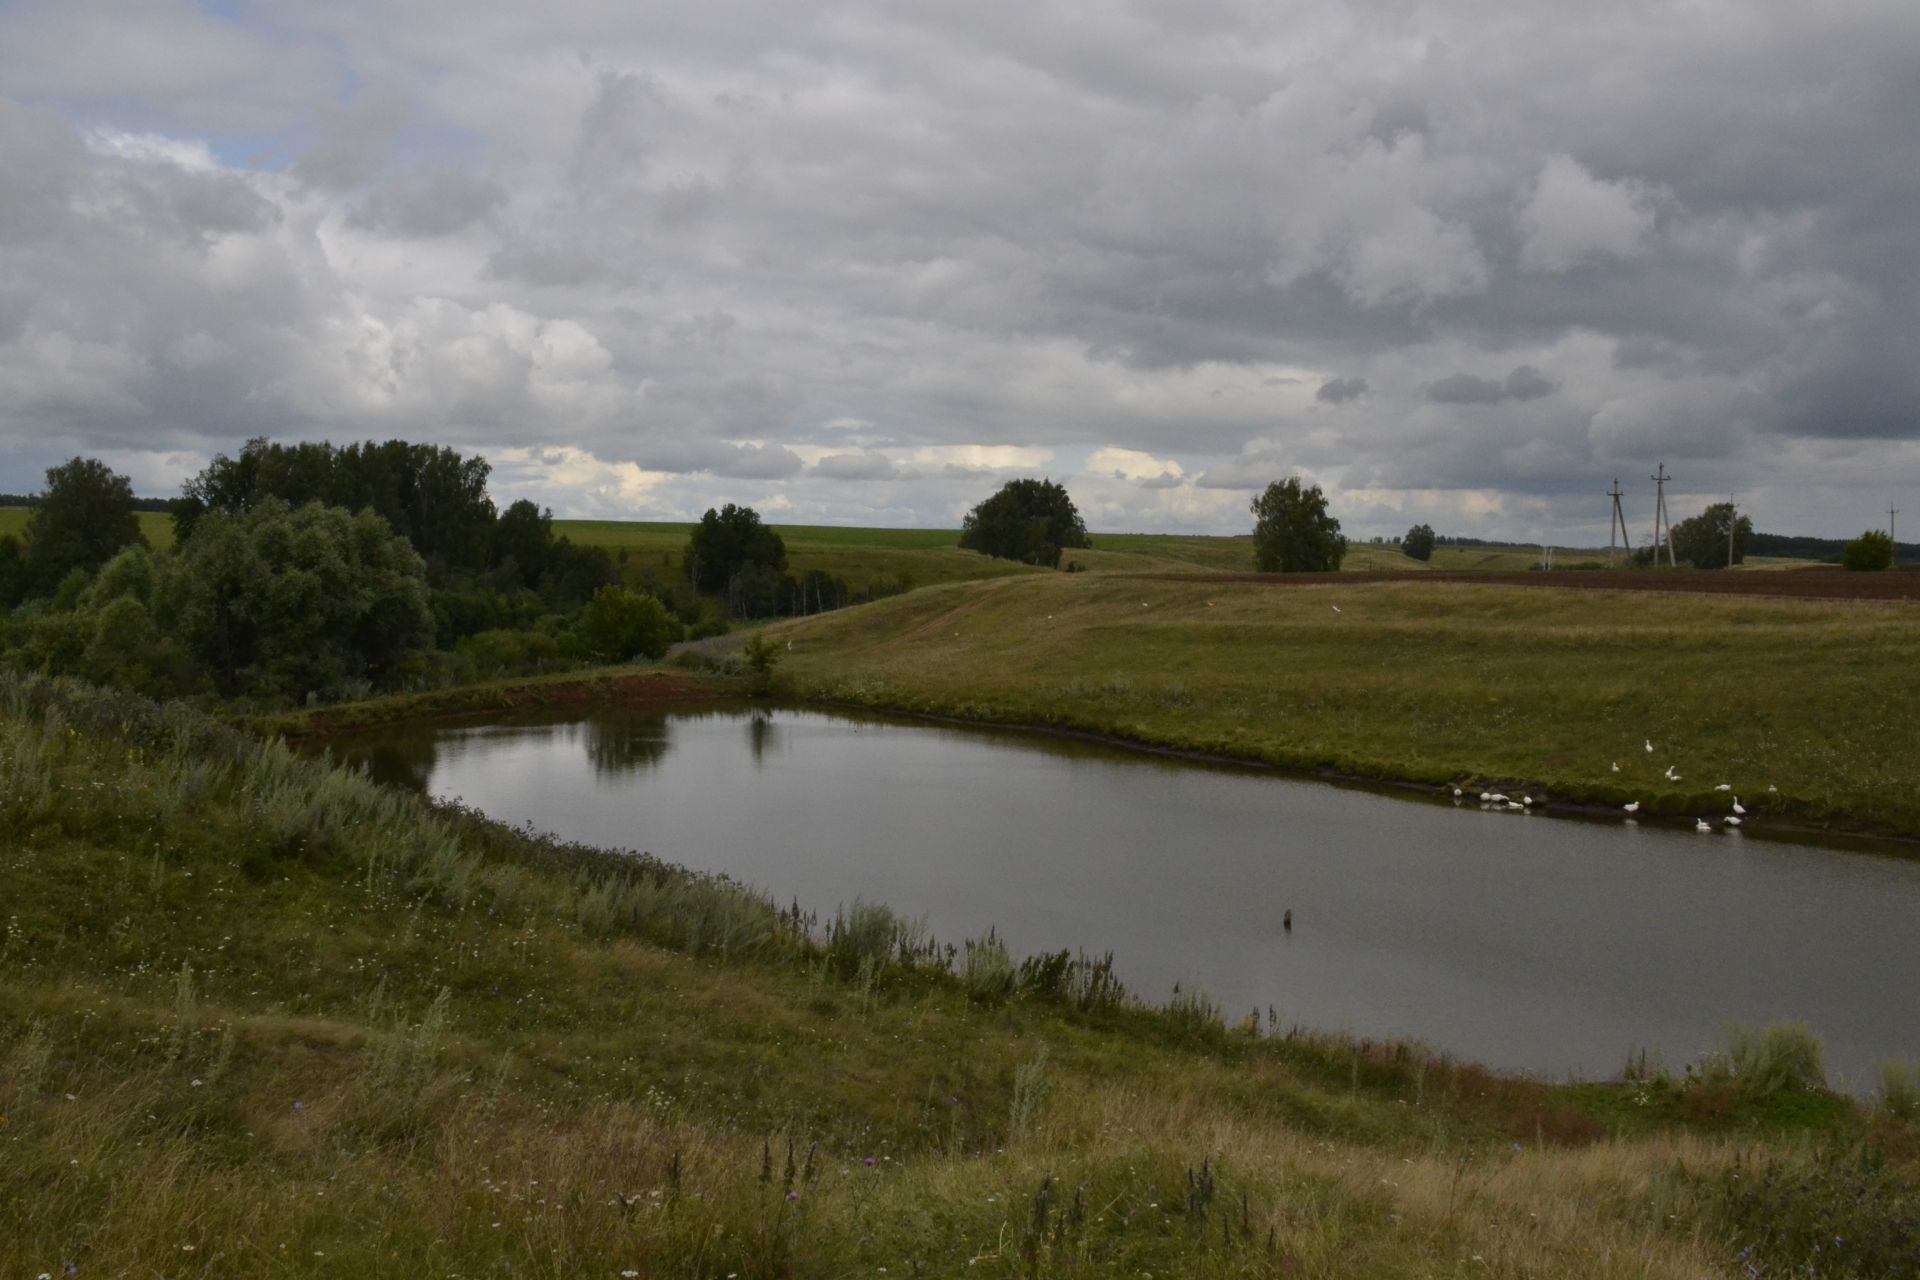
(1631, 806)
(1700, 824)
(1486, 797)
(1616, 766)
(1738, 807)
(1456, 793)
(1527, 801)
(1498, 798)
(1649, 746)
(1731, 821)
(1771, 787)
(1725, 786)
(1336, 608)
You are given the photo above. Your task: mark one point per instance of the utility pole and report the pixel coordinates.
(1660, 521)
(1733, 522)
(1893, 511)
(1619, 522)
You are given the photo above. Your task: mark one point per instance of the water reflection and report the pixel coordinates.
(1522, 941)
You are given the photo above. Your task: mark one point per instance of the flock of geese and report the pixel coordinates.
(1497, 800)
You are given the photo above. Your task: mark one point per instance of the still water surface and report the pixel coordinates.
(1525, 942)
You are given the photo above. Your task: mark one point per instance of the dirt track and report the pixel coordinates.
(1807, 584)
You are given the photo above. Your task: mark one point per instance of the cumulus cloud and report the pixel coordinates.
(1573, 217)
(856, 271)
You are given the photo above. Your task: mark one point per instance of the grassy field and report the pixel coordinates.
(259, 1017)
(1805, 708)
(156, 525)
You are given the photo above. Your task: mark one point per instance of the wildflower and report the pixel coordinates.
(299, 1106)
(793, 1195)
(869, 1162)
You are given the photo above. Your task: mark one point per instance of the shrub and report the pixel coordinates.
(1900, 1089)
(618, 625)
(986, 970)
(1871, 550)
(1418, 544)
(1781, 1057)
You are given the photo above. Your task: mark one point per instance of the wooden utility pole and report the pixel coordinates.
(1660, 521)
(1733, 522)
(1618, 522)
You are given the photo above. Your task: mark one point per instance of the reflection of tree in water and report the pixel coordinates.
(626, 746)
(402, 761)
(759, 734)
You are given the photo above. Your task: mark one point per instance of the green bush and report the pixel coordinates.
(1871, 550)
(619, 625)
(1781, 1057)
(1900, 1088)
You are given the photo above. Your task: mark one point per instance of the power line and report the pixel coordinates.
(1660, 521)
(1617, 522)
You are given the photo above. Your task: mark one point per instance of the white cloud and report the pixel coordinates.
(1573, 217)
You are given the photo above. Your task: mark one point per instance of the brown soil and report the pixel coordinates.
(1806, 584)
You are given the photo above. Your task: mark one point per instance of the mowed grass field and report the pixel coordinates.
(1803, 707)
(259, 1017)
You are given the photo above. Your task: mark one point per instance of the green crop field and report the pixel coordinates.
(156, 525)
(259, 1017)
(1431, 682)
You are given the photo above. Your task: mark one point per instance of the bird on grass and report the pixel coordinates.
(1738, 807)
(1616, 766)
(1336, 608)
(1725, 786)
(1649, 746)
(1671, 775)
(1632, 806)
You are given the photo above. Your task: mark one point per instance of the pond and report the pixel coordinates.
(1525, 942)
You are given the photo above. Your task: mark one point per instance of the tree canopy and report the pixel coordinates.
(1293, 532)
(1701, 540)
(1871, 550)
(729, 540)
(1418, 544)
(434, 497)
(279, 602)
(1031, 521)
(85, 516)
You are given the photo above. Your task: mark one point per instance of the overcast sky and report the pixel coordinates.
(857, 263)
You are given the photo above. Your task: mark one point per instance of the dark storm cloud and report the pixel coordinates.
(1455, 257)
(1341, 390)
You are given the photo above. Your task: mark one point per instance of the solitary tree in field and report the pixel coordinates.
(1418, 544)
(1871, 550)
(1031, 521)
(1292, 531)
(83, 518)
(1701, 540)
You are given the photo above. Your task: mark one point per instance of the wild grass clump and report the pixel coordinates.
(870, 936)
(1900, 1088)
(1835, 1214)
(987, 971)
(1781, 1057)
(1195, 1014)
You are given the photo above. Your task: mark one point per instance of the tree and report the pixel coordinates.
(1701, 540)
(278, 602)
(727, 541)
(523, 541)
(1292, 532)
(434, 497)
(83, 518)
(1418, 544)
(618, 625)
(1031, 521)
(1871, 550)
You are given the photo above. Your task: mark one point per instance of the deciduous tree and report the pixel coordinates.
(1293, 531)
(1031, 521)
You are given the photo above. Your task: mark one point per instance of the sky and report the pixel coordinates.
(861, 262)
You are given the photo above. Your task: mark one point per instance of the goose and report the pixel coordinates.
(1738, 807)
(1616, 766)
(1671, 775)
(1527, 801)
(1725, 786)
(1731, 821)
(1649, 746)
(1456, 793)
(1336, 608)
(1497, 798)
(1486, 797)
(1701, 824)
(1515, 804)
(1632, 806)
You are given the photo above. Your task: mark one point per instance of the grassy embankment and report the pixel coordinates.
(1432, 683)
(259, 1017)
